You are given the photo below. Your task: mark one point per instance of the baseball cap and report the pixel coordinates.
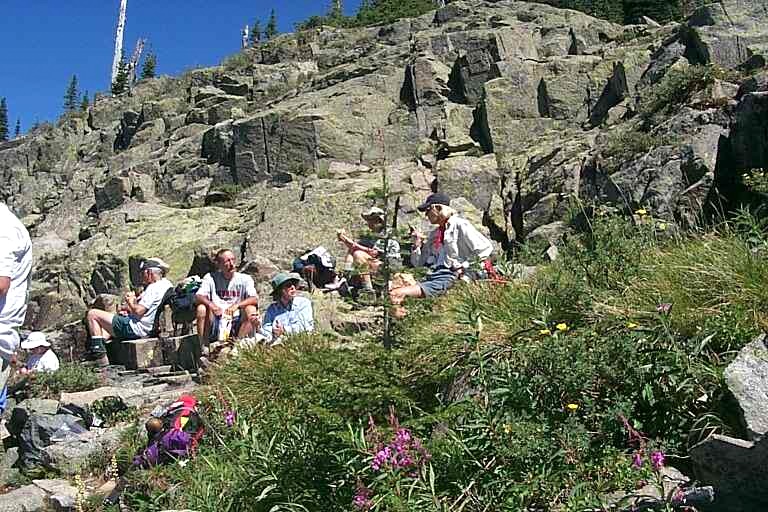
(436, 198)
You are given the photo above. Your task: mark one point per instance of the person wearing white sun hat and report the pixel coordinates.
(41, 357)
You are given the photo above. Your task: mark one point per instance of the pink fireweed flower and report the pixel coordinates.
(637, 460)
(657, 460)
(404, 451)
(664, 308)
(229, 418)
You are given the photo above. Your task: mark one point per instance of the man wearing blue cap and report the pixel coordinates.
(448, 252)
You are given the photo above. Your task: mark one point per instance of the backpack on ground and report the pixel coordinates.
(181, 431)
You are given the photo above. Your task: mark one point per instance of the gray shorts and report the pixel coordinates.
(437, 282)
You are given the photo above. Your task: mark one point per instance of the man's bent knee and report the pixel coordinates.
(201, 310)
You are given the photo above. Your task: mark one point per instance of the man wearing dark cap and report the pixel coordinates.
(448, 251)
(136, 316)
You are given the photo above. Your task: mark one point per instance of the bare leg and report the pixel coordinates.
(362, 261)
(398, 295)
(100, 323)
(203, 321)
(250, 323)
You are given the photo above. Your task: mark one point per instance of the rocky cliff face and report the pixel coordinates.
(508, 105)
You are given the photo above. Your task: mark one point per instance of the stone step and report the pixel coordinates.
(159, 355)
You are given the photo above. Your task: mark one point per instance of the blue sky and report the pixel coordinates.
(44, 42)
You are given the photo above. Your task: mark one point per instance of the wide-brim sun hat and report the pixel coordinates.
(433, 199)
(282, 278)
(34, 340)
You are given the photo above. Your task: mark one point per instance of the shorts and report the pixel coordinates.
(121, 328)
(437, 282)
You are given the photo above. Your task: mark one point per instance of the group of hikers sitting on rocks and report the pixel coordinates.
(226, 301)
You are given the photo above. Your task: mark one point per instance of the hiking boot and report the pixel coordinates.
(96, 361)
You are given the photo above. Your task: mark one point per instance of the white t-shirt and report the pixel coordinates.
(225, 293)
(48, 362)
(15, 263)
(150, 299)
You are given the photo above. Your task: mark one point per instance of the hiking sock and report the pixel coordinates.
(96, 346)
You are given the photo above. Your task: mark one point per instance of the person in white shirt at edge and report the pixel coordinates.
(41, 357)
(227, 291)
(449, 251)
(290, 313)
(135, 318)
(15, 269)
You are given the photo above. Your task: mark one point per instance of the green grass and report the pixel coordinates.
(484, 377)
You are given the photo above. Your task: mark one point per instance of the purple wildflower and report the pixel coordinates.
(362, 499)
(229, 418)
(381, 458)
(664, 308)
(637, 460)
(657, 460)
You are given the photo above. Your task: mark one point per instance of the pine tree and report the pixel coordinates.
(120, 85)
(271, 30)
(336, 11)
(256, 33)
(3, 120)
(148, 69)
(17, 131)
(84, 103)
(71, 96)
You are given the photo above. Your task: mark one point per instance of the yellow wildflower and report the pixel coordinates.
(562, 327)
(545, 332)
(641, 212)
(572, 407)
(662, 226)
(507, 428)
(632, 325)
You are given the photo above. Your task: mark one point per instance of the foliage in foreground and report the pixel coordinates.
(500, 397)
(69, 378)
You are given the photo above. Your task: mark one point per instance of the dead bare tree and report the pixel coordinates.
(119, 40)
(134, 62)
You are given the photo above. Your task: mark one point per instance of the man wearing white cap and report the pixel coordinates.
(41, 357)
(15, 269)
(136, 316)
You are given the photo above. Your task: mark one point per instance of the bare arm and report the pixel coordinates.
(134, 307)
(5, 285)
(250, 301)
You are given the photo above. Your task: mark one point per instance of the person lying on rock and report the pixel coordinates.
(226, 292)
(289, 313)
(366, 256)
(41, 357)
(448, 252)
(135, 317)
